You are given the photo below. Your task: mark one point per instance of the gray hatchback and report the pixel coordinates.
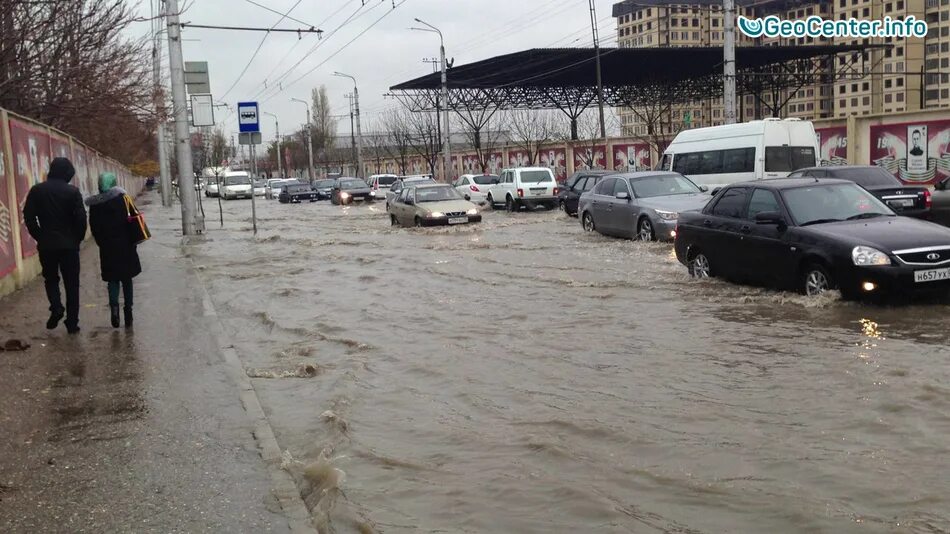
(640, 205)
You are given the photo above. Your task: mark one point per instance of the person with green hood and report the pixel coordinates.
(119, 259)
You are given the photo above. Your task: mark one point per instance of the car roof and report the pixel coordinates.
(428, 186)
(645, 174)
(593, 172)
(837, 167)
(527, 169)
(790, 183)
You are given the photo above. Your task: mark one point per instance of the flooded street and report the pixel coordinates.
(523, 376)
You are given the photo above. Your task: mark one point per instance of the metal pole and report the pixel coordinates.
(253, 178)
(280, 172)
(729, 61)
(310, 171)
(165, 177)
(359, 133)
(353, 131)
(446, 130)
(186, 173)
(600, 83)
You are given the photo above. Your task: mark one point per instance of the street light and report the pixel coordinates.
(359, 131)
(309, 137)
(446, 131)
(280, 172)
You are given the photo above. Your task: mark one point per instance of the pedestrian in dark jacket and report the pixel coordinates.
(56, 219)
(119, 259)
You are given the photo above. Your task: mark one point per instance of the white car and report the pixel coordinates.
(474, 187)
(524, 187)
(380, 183)
(211, 188)
(236, 185)
(260, 188)
(272, 190)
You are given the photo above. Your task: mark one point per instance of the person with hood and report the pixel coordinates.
(55, 217)
(119, 259)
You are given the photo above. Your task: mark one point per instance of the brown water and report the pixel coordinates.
(522, 376)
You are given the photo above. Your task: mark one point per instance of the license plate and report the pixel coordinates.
(932, 275)
(909, 203)
(458, 220)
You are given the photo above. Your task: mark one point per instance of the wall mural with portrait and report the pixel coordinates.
(917, 153)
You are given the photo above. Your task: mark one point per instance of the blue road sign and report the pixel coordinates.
(248, 117)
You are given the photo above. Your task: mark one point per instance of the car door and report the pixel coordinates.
(722, 237)
(600, 206)
(763, 248)
(461, 185)
(940, 207)
(621, 210)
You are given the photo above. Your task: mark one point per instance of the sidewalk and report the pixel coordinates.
(128, 431)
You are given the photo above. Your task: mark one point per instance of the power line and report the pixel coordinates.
(285, 15)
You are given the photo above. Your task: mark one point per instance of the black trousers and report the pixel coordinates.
(65, 262)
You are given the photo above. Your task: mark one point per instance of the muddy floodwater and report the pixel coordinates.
(523, 376)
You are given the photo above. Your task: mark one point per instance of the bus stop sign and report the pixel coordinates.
(248, 117)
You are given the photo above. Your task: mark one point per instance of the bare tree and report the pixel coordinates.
(396, 122)
(655, 114)
(426, 142)
(324, 124)
(531, 129)
(477, 128)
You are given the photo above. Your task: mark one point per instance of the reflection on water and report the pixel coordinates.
(523, 376)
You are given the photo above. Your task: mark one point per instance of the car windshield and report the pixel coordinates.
(385, 180)
(660, 186)
(437, 194)
(536, 177)
(788, 158)
(353, 184)
(298, 188)
(869, 176)
(237, 180)
(486, 179)
(259, 183)
(832, 202)
(323, 184)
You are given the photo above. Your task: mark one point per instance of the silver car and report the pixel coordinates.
(640, 205)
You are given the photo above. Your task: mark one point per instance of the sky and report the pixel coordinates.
(387, 53)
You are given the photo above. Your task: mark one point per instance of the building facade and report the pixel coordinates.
(912, 74)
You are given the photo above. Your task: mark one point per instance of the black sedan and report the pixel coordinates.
(907, 200)
(349, 190)
(324, 188)
(813, 235)
(296, 193)
(577, 184)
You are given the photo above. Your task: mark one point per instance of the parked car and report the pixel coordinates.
(580, 182)
(296, 192)
(236, 185)
(211, 187)
(274, 185)
(380, 183)
(260, 188)
(402, 182)
(348, 190)
(474, 187)
(907, 200)
(432, 205)
(324, 188)
(813, 235)
(524, 187)
(640, 205)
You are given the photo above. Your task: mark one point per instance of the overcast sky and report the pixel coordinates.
(388, 53)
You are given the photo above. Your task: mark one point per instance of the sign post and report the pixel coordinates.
(249, 124)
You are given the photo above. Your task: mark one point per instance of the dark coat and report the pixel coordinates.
(53, 213)
(108, 220)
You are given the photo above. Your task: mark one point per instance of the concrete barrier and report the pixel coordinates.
(26, 148)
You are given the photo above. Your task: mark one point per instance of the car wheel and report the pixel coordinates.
(588, 221)
(816, 280)
(418, 222)
(392, 220)
(510, 205)
(645, 230)
(699, 266)
(490, 201)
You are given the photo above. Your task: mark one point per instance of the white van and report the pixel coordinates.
(721, 155)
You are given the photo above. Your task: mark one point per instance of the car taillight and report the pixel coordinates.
(521, 193)
(555, 191)
(928, 199)
(473, 188)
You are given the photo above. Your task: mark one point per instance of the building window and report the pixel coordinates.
(900, 97)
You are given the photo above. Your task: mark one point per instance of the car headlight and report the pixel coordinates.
(344, 194)
(372, 193)
(869, 256)
(472, 211)
(436, 214)
(667, 215)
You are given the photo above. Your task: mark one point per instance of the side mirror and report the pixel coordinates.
(715, 191)
(467, 197)
(704, 188)
(623, 195)
(941, 186)
(770, 217)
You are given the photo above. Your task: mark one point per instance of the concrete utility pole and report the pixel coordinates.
(352, 126)
(280, 172)
(165, 177)
(186, 173)
(359, 131)
(600, 83)
(309, 138)
(729, 60)
(446, 130)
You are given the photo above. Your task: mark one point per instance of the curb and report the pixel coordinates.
(284, 488)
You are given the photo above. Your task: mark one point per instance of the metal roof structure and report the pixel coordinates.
(565, 78)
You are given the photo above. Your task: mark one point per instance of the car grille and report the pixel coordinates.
(455, 214)
(929, 256)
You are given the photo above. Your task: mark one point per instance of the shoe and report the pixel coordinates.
(128, 316)
(54, 318)
(114, 315)
(73, 329)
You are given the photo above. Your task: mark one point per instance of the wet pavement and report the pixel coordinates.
(523, 376)
(127, 431)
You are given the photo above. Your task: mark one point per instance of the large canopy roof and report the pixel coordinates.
(558, 78)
